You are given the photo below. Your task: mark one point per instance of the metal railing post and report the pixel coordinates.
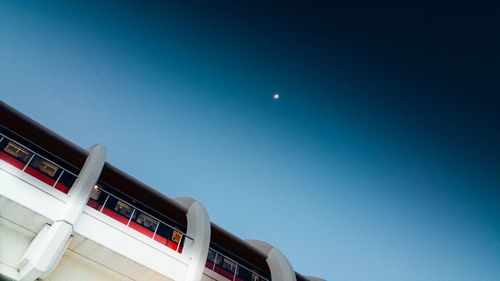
(104, 204)
(29, 161)
(156, 229)
(131, 215)
(59, 177)
(215, 261)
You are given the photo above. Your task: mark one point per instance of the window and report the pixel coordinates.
(67, 179)
(244, 274)
(218, 260)
(176, 236)
(163, 233)
(95, 193)
(229, 265)
(18, 152)
(147, 221)
(211, 255)
(44, 166)
(124, 209)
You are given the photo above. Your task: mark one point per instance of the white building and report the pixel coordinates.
(67, 215)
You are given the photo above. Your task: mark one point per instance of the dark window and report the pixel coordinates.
(218, 260)
(229, 265)
(111, 203)
(123, 208)
(45, 166)
(18, 152)
(146, 221)
(97, 198)
(95, 193)
(244, 274)
(67, 179)
(211, 255)
(164, 232)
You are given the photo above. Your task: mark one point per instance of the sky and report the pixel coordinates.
(380, 161)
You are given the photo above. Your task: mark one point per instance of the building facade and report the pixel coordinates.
(67, 214)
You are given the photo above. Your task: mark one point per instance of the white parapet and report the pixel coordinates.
(115, 243)
(198, 229)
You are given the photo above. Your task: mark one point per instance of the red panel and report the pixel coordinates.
(161, 239)
(115, 215)
(11, 160)
(94, 204)
(39, 175)
(172, 245)
(224, 273)
(61, 187)
(141, 229)
(209, 264)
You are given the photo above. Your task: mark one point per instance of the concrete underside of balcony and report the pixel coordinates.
(18, 227)
(84, 259)
(99, 248)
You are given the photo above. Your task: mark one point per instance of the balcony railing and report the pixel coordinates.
(36, 165)
(137, 219)
(230, 269)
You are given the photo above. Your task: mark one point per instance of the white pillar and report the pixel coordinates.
(46, 250)
(198, 228)
(80, 191)
(280, 267)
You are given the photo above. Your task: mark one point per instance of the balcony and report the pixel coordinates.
(35, 165)
(229, 268)
(137, 219)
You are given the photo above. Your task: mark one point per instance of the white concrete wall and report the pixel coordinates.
(28, 191)
(132, 244)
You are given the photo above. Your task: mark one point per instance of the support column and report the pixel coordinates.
(280, 267)
(46, 250)
(198, 228)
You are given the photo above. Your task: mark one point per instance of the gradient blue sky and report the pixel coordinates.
(380, 162)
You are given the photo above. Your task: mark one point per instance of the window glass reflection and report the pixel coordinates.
(123, 209)
(44, 166)
(18, 152)
(146, 221)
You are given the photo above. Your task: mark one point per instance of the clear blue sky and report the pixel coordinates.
(380, 162)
